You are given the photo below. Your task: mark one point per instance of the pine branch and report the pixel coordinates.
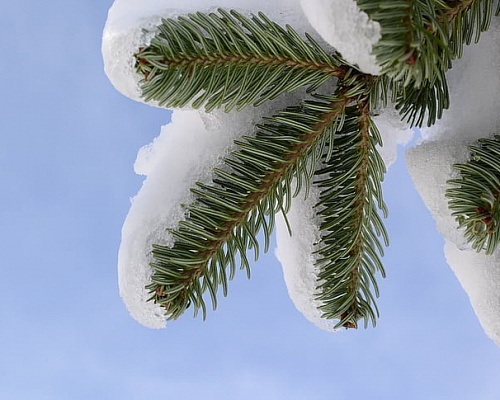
(414, 56)
(474, 197)
(456, 7)
(413, 48)
(351, 192)
(226, 60)
(417, 106)
(465, 21)
(420, 38)
(419, 41)
(427, 103)
(227, 216)
(229, 60)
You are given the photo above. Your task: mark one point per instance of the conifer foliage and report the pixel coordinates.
(230, 61)
(475, 195)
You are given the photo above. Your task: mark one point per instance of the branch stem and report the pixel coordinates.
(146, 62)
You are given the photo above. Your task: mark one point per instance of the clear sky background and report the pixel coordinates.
(68, 144)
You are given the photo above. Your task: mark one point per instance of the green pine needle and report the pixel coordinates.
(474, 197)
(425, 104)
(421, 38)
(417, 106)
(466, 20)
(349, 249)
(226, 59)
(419, 41)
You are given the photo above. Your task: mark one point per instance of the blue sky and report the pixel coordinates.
(68, 143)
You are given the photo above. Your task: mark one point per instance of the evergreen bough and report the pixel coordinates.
(229, 61)
(475, 195)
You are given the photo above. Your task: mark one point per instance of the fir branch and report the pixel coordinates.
(420, 38)
(226, 59)
(414, 57)
(465, 20)
(433, 34)
(417, 106)
(413, 48)
(456, 7)
(474, 197)
(424, 104)
(351, 193)
(227, 216)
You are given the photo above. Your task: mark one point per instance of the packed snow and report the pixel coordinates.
(183, 153)
(430, 165)
(348, 29)
(475, 101)
(480, 277)
(394, 133)
(295, 252)
(193, 143)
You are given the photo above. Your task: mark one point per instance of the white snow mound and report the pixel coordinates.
(479, 275)
(348, 29)
(473, 113)
(295, 253)
(185, 152)
(429, 165)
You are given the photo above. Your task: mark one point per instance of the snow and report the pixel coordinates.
(394, 133)
(348, 29)
(295, 253)
(430, 166)
(480, 278)
(475, 101)
(123, 35)
(172, 163)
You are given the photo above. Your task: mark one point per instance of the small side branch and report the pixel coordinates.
(225, 219)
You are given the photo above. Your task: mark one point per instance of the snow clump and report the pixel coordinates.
(348, 29)
(473, 113)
